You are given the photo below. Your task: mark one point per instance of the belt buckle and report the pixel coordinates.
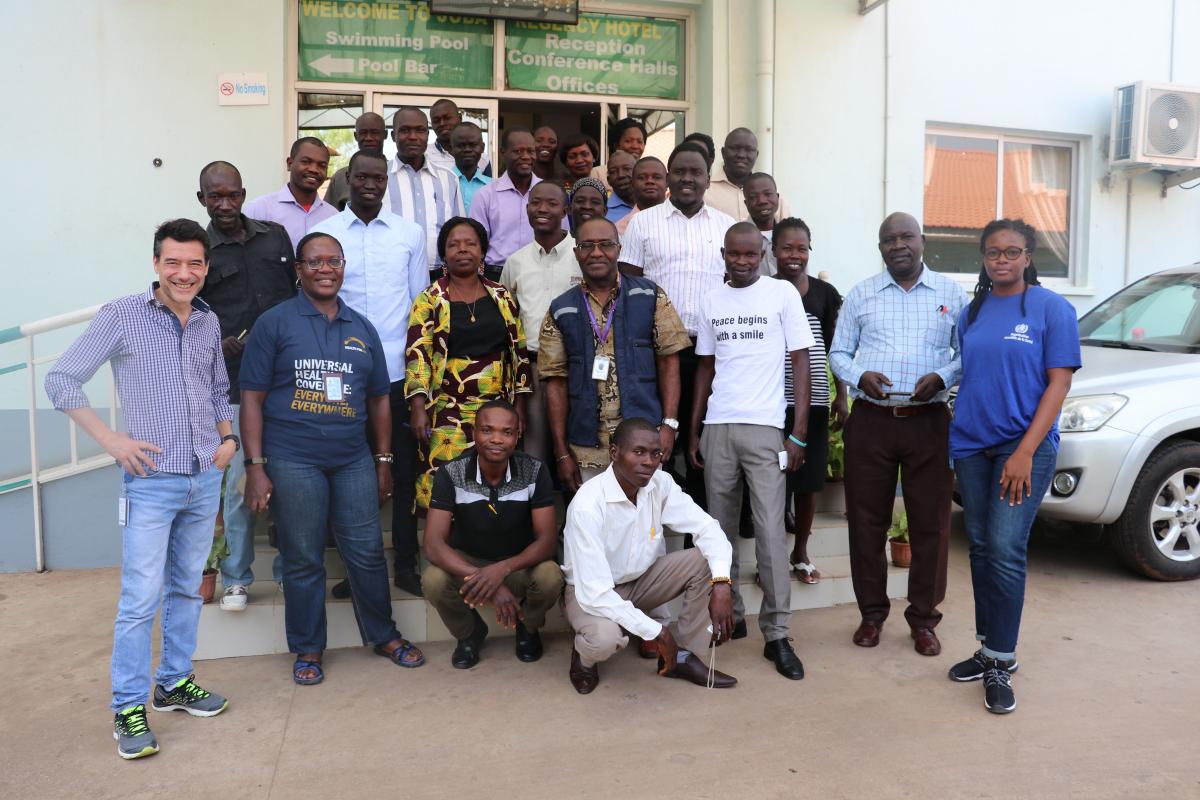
(896, 412)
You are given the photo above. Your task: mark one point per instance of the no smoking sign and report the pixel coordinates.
(242, 89)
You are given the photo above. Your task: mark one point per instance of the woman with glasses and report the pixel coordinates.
(466, 346)
(1020, 346)
(316, 429)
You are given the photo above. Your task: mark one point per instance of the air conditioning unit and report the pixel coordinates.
(1155, 125)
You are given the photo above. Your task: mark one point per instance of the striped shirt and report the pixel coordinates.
(427, 196)
(170, 378)
(680, 254)
(817, 367)
(903, 334)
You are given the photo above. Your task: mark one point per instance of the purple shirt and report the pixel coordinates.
(171, 379)
(282, 207)
(501, 210)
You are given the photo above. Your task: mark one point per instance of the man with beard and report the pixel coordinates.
(296, 206)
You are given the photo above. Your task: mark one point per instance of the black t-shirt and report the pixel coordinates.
(485, 336)
(823, 302)
(492, 522)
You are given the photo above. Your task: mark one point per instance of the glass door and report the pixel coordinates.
(482, 111)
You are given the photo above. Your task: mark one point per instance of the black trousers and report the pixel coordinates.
(691, 480)
(404, 483)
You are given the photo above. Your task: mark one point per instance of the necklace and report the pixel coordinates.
(470, 306)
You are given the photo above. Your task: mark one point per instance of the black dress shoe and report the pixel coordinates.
(787, 663)
(341, 590)
(409, 581)
(739, 630)
(529, 645)
(584, 679)
(466, 654)
(693, 670)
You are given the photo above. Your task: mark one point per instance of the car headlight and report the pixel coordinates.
(1090, 412)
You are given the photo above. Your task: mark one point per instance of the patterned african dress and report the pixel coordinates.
(459, 367)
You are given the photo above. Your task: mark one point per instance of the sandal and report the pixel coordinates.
(303, 664)
(806, 572)
(398, 655)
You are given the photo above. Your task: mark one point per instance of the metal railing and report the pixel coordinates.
(38, 476)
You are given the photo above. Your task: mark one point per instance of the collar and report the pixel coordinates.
(477, 177)
(614, 201)
(567, 241)
(505, 184)
(473, 466)
(351, 219)
(925, 278)
(197, 303)
(285, 195)
(253, 228)
(674, 209)
(613, 493)
(397, 165)
(307, 309)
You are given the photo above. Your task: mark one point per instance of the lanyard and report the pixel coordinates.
(602, 335)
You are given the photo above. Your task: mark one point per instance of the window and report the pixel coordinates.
(973, 177)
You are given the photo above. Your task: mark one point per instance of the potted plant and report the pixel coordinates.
(218, 553)
(898, 539)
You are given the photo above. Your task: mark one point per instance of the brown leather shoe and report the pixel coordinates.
(647, 649)
(867, 634)
(584, 679)
(694, 671)
(926, 642)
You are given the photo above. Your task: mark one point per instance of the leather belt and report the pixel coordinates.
(901, 412)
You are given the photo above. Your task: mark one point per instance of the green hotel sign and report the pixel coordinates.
(401, 43)
(397, 43)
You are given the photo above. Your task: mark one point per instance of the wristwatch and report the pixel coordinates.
(231, 437)
(671, 423)
(249, 462)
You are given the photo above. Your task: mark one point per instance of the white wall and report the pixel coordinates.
(1025, 64)
(97, 91)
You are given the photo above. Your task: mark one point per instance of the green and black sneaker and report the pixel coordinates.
(133, 735)
(187, 696)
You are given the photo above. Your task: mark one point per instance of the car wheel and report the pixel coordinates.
(1158, 534)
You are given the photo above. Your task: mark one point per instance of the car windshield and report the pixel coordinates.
(1159, 312)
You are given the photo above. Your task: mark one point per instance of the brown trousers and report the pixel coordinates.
(878, 445)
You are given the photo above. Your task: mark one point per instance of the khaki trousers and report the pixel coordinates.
(540, 588)
(684, 572)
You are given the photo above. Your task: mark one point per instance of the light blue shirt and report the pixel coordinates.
(467, 187)
(386, 268)
(282, 207)
(618, 209)
(903, 334)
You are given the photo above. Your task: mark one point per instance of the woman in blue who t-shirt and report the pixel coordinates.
(1020, 347)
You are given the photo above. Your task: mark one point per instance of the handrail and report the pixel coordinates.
(37, 474)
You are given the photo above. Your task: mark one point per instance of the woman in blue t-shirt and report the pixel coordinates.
(317, 428)
(1020, 347)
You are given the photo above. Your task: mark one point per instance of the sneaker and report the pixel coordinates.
(974, 667)
(234, 599)
(133, 734)
(187, 696)
(998, 696)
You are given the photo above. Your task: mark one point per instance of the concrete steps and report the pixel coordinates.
(259, 630)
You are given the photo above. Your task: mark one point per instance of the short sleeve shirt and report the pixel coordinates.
(1005, 355)
(492, 522)
(318, 374)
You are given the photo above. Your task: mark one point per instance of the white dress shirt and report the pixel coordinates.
(609, 541)
(536, 277)
(427, 196)
(681, 254)
(386, 269)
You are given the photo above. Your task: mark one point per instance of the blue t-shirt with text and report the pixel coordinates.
(1005, 356)
(318, 374)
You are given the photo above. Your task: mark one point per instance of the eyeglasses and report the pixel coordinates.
(314, 264)
(1011, 253)
(607, 245)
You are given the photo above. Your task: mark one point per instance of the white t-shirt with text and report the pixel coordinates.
(748, 330)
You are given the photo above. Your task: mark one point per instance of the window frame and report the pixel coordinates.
(1075, 277)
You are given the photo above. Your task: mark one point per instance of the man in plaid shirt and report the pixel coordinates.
(165, 349)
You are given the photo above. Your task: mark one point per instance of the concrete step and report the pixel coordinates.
(259, 630)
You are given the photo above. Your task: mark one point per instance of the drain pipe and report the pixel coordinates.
(766, 85)
(887, 83)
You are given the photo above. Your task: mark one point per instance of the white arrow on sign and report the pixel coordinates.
(327, 64)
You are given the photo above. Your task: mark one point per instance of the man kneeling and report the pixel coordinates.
(490, 538)
(618, 567)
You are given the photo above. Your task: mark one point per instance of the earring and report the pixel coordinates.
(481, 268)
(445, 270)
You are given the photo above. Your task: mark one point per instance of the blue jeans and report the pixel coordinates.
(239, 524)
(999, 539)
(304, 498)
(165, 544)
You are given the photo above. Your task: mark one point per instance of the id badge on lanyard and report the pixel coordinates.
(335, 391)
(600, 367)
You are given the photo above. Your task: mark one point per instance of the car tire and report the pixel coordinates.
(1134, 536)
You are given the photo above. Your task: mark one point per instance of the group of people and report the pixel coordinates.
(648, 341)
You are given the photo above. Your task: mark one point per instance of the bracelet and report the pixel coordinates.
(249, 462)
(796, 441)
(562, 458)
(715, 581)
(229, 437)
(384, 458)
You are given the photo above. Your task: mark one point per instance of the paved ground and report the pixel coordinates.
(1108, 709)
